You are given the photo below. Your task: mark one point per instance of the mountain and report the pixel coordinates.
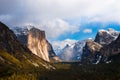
(107, 39)
(104, 37)
(88, 51)
(91, 52)
(72, 52)
(100, 49)
(60, 45)
(36, 41)
(14, 54)
(112, 49)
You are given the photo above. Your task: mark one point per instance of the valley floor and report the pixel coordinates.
(67, 72)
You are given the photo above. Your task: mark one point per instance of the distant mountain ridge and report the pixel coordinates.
(89, 51)
(72, 52)
(78, 50)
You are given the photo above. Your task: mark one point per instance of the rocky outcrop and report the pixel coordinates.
(104, 37)
(91, 52)
(37, 43)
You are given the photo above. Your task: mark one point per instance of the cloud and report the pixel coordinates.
(62, 44)
(87, 31)
(26, 11)
(45, 12)
(8, 7)
(4, 17)
(57, 27)
(59, 45)
(67, 55)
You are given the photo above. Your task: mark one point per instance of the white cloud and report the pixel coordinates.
(67, 55)
(87, 31)
(57, 27)
(36, 12)
(26, 11)
(62, 44)
(59, 45)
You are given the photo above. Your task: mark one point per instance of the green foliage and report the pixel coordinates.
(9, 59)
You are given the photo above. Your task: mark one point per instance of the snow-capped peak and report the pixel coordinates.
(21, 30)
(101, 31)
(106, 36)
(73, 51)
(109, 31)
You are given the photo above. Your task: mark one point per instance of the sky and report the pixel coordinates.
(63, 20)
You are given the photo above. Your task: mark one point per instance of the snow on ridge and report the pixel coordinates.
(20, 30)
(59, 45)
(102, 30)
(110, 31)
(73, 51)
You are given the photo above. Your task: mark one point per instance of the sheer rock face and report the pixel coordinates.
(37, 43)
(112, 49)
(104, 37)
(90, 52)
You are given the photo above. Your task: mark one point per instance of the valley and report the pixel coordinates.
(35, 59)
(59, 39)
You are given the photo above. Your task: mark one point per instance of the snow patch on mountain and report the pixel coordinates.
(73, 51)
(59, 45)
(111, 32)
(21, 30)
(104, 37)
